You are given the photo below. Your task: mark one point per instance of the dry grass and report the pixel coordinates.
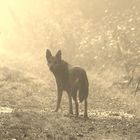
(113, 111)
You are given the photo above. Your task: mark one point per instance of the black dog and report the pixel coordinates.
(73, 80)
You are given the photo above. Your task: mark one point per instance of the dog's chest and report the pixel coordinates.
(65, 83)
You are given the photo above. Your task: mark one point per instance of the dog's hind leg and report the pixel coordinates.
(85, 113)
(70, 104)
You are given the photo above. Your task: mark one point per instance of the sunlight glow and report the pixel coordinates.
(9, 10)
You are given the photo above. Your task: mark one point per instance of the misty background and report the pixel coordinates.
(102, 36)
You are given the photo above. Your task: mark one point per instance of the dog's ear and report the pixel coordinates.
(58, 55)
(48, 54)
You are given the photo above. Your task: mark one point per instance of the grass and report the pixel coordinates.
(113, 111)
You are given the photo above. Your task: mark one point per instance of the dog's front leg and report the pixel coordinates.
(85, 113)
(59, 97)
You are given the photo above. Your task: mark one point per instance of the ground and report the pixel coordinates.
(27, 102)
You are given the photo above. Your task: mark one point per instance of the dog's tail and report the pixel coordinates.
(83, 87)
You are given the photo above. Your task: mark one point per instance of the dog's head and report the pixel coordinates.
(54, 62)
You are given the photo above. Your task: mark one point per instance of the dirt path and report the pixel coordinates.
(27, 101)
(31, 118)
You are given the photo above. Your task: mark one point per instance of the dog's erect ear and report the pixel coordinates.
(58, 54)
(48, 54)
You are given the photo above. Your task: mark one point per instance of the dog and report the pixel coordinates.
(68, 78)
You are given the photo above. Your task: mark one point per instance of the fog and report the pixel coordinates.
(29, 27)
(93, 31)
(101, 36)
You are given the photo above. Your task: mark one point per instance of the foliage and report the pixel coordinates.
(90, 33)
